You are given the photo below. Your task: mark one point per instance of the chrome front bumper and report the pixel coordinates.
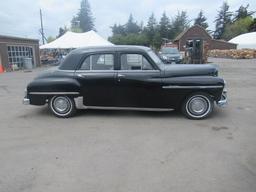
(224, 99)
(26, 101)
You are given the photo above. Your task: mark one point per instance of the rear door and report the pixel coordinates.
(139, 81)
(97, 76)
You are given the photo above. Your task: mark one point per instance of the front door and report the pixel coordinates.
(97, 76)
(139, 82)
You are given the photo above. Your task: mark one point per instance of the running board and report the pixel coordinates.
(80, 105)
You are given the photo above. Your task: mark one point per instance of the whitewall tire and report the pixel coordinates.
(62, 106)
(198, 106)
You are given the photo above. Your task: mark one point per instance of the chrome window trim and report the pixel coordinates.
(54, 93)
(191, 87)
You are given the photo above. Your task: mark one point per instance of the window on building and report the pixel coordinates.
(16, 55)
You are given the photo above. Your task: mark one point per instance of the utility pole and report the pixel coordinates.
(42, 27)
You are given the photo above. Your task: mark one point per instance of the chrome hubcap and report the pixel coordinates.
(198, 106)
(61, 104)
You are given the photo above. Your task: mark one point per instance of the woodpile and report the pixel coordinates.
(233, 53)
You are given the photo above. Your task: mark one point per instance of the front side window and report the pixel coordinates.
(98, 62)
(135, 62)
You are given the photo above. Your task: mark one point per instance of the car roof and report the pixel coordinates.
(110, 48)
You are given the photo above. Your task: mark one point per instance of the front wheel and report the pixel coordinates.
(198, 106)
(62, 106)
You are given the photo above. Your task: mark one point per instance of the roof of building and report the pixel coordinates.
(188, 29)
(18, 38)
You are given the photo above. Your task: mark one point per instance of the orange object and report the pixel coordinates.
(1, 69)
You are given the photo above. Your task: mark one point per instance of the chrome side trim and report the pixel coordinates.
(53, 93)
(80, 105)
(191, 87)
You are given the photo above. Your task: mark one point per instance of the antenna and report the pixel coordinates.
(42, 27)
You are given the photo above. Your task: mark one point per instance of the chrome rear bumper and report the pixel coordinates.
(224, 100)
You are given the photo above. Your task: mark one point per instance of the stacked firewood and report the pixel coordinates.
(233, 53)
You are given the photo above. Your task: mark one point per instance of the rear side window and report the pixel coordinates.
(135, 62)
(98, 62)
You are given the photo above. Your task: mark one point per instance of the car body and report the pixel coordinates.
(170, 55)
(126, 77)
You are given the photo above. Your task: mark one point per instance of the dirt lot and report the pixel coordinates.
(116, 151)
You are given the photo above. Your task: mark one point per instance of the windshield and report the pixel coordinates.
(155, 58)
(170, 50)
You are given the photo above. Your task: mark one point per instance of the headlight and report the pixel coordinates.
(164, 57)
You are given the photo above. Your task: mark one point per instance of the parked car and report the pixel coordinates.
(126, 77)
(170, 55)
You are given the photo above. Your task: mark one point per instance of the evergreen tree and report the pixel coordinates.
(243, 12)
(179, 24)
(85, 18)
(62, 31)
(222, 20)
(201, 20)
(151, 28)
(131, 26)
(118, 29)
(164, 25)
(75, 23)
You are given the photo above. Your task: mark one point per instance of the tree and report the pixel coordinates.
(130, 39)
(238, 27)
(50, 39)
(151, 28)
(131, 26)
(201, 20)
(243, 12)
(253, 26)
(222, 20)
(62, 31)
(164, 25)
(84, 20)
(179, 24)
(85, 17)
(118, 29)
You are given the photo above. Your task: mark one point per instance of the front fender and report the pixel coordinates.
(189, 84)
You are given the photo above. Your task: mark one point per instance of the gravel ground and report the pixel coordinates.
(120, 151)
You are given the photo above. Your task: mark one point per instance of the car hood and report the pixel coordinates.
(190, 70)
(171, 55)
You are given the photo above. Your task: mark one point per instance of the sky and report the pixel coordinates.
(21, 17)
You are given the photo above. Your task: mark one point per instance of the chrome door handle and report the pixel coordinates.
(81, 75)
(120, 75)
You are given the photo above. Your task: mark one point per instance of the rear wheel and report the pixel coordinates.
(62, 106)
(198, 106)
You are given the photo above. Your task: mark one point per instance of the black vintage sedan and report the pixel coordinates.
(129, 78)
